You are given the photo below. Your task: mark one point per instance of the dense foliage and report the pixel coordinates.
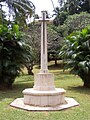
(70, 7)
(14, 53)
(61, 16)
(76, 54)
(17, 11)
(73, 23)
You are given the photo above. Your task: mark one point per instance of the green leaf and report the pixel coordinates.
(74, 56)
(82, 64)
(16, 28)
(84, 31)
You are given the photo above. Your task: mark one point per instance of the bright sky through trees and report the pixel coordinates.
(44, 5)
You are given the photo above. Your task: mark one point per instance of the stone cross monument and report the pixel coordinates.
(44, 95)
(44, 92)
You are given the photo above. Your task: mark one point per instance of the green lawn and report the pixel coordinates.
(72, 84)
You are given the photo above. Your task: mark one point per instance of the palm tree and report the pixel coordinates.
(19, 9)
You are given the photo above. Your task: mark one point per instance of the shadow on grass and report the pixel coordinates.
(17, 88)
(55, 67)
(15, 92)
(61, 72)
(80, 89)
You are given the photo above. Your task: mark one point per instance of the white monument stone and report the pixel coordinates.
(44, 95)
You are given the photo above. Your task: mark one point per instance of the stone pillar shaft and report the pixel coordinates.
(44, 68)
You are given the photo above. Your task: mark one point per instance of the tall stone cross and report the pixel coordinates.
(44, 68)
(44, 94)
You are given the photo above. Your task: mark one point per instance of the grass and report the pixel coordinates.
(72, 84)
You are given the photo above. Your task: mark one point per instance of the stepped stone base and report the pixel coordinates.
(19, 103)
(44, 98)
(44, 95)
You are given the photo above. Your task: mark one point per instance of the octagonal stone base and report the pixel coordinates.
(19, 103)
(44, 98)
(44, 95)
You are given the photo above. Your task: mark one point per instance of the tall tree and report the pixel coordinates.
(85, 5)
(33, 39)
(70, 7)
(61, 16)
(19, 10)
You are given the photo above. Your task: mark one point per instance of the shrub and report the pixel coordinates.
(13, 54)
(76, 54)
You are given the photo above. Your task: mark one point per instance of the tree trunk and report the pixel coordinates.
(29, 69)
(4, 86)
(87, 83)
(86, 79)
(56, 62)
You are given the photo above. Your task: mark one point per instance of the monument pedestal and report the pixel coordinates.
(44, 93)
(44, 82)
(44, 96)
